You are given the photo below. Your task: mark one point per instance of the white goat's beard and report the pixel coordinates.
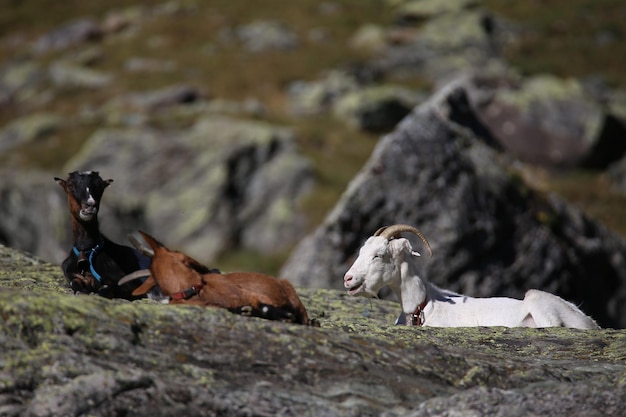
(362, 291)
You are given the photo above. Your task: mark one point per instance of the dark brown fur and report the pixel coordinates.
(111, 261)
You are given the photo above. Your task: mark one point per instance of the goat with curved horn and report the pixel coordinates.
(386, 259)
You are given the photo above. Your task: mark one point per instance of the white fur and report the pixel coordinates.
(392, 263)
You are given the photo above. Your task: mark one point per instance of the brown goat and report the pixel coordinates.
(186, 281)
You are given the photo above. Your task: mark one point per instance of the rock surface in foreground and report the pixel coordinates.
(85, 355)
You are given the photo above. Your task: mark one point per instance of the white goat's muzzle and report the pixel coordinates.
(354, 286)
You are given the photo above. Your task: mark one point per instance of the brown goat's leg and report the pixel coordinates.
(275, 313)
(265, 311)
(295, 303)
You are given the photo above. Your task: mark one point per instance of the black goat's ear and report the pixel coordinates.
(107, 182)
(61, 182)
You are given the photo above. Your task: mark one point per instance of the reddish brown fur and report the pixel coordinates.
(175, 272)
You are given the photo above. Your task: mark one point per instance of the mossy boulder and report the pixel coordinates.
(29, 129)
(445, 44)
(550, 121)
(376, 108)
(67, 75)
(34, 214)
(85, 355)
(418, 10)
(314, 97)
(21, 82)
(223, 183)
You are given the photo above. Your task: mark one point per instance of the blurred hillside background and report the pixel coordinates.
(286, 99)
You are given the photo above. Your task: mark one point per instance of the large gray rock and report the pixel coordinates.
(28, 129)
(376, 108)
(223, 184)
(491, 234)
(34, 214)
(21, 82)
(549, 121)
(314, 97)
(263, 35)
(68, 34)
(420, 10)
(617, 174)
(447, 44)
(67, 75)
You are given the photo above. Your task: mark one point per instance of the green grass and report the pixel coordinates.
(573, 38)
(569, 38)
(592, 192)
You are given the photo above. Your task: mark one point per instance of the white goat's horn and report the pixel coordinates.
(141, 273)
(380, 230)
(393, 231)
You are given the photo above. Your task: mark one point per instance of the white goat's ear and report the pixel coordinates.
(415, 253)
(402, 245)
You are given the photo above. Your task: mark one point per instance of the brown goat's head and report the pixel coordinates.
(172, 271)
(84, 191)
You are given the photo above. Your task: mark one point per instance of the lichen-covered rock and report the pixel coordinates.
(617, 174)
(20, 82)
(369, 37)
(445, 46)
(224, 183)
(376, 108)
(314, 97)
(68, 75)
(29, 129)
(418, 10)
(491, 234)
(263, 35)
(148, 101)
(34, 214)
(86, 355)
(67, 35)
(552, 122)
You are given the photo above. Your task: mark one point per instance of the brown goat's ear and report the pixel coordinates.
(154, 244)
(148, 284)
(61, 182)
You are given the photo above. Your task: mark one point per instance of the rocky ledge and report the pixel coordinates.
(85, 355)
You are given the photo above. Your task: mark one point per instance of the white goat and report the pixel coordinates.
(387, 260)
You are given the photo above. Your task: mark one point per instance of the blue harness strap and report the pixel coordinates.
(92, 253)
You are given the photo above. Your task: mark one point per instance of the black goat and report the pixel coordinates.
(95, 264)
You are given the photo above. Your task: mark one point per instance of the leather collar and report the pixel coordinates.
(417, 317)
(188, 293)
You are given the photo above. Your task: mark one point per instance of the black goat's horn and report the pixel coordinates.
(141, 273)
(141, 248)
